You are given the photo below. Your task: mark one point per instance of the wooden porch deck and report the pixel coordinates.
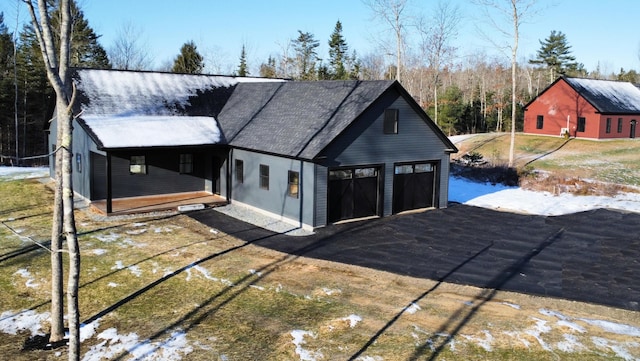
(156, 203)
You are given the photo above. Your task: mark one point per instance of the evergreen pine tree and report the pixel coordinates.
(306, 56)
(86, 51)
(7, 93)
(338, 54)
(189, 61)
(555, 54)
(242, 68)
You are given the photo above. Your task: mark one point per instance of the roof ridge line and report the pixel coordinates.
(333, 114)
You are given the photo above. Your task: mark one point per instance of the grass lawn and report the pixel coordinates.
(167, 287)
(607, 161)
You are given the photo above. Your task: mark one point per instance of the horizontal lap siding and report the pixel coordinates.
(275, 200)
(364, 143)
(162, 176)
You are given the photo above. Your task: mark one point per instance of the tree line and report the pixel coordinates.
(461, 94)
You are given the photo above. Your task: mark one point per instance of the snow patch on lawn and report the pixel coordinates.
(135, 270)
(28, 320)
(353, 320)
(207, 275)
(413, 308)
(30, 281)
(298, 341)
(114, 344)
(16, 173)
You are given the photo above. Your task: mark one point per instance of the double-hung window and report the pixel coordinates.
(186, 163)
(264, 176)
(239, 171)
(391, 121)
(293, 188)
(137, 164)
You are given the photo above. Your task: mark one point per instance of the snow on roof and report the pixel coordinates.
(609, 96)
(124, 93)
(153, 131)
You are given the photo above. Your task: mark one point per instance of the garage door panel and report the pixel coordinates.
(353, 193)
(413, 186)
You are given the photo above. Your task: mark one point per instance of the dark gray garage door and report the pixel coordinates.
(414, 186)
(353, 193)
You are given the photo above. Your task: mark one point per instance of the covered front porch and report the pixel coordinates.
(156, 203)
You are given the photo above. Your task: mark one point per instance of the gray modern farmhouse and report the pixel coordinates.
(310, 153)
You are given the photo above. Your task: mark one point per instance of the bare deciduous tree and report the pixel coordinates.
(437, 34)
(129, 51)
(506, 17)
(394, 14)
(57, 68)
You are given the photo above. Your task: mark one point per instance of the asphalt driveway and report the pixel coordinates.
(592, 256)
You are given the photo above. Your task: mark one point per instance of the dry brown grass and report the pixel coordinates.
(553, 164)
(235, 301)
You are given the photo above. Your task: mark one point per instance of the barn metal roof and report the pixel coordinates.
(607, 96)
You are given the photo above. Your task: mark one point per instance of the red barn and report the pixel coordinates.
(586, 108)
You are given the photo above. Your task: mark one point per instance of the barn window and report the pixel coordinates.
(540, 122)
(582, 124)
(608, 127)
(186, 163)
(137, 164)
(391, 121)
(239, 171)
(294, 184)
(619, 125)
(264, 176)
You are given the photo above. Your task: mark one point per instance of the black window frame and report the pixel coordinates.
(608, 126)
(186, 163)
(619, 125)
(391, 117)
(139, 161)
(239, 170)
(293, 184)
(540, 122)
(582, 124)
(264, 177)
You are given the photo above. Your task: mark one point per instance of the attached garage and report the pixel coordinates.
(414, 186)
(354, 193)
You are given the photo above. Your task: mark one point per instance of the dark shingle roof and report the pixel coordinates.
(296, 119)
(288, 118)
(607, 96)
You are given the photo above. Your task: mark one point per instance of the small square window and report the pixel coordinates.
(540, 122)
(137, 164)
(391, 121)
(264, 176)
(186, 163)
(239, 171)
(294, 184)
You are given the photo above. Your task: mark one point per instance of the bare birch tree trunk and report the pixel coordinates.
(57, 309)
(58, 75)
(514, 67)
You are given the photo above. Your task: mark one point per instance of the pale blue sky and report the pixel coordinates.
(600, 32)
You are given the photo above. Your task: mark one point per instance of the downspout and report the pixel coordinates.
(301, 194)
(229, 176)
